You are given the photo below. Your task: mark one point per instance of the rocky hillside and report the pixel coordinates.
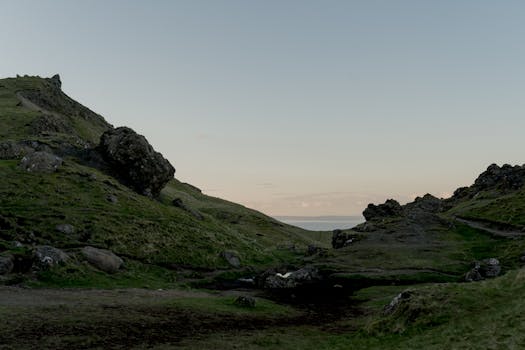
(79, 197)
(477, 233)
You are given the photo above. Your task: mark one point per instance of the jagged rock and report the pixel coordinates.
(135, 161)
(55, 81)
(490, 267)
(245, 301)
(6, 264)
(47, 123)
(65, 228)
(46, 256)
(428, 203)
(13, 150)
(391, 208)
(396, 301)
(41, 162)
(102, 259)
(506, 177)
(112, 198)
(231, 258)
(306, 275)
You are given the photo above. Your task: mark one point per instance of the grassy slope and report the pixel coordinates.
(136, 227)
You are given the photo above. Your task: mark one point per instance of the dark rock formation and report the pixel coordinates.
(428, 203)
(102, 259)
(135, 161)
(391, 208)
(506, 177)
(245, 301)
(55, 81)
(41, 162)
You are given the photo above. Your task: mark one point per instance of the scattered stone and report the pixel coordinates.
(391, 208)
(46, 256)
(102, 259)
(398, 300)
(65, 228)
(231, 258)
(6, 264)
(245, 301)
(135, 161)
(40, 162)
(112, 199)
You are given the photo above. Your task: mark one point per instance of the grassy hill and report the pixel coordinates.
(147, 233)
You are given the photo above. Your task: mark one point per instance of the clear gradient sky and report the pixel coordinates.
(293, 107)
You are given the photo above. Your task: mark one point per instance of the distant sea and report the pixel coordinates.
(322, 223)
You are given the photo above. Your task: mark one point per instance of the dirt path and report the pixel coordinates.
(489, 227)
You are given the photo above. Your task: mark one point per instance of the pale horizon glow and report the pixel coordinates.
(304, 108)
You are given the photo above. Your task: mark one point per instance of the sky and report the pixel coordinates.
(293, 107)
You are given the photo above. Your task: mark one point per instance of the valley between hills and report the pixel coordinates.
(102, 247)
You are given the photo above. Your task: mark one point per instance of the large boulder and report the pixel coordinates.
(135, 161)
(391, 208)
(41, 162)
(102, 259)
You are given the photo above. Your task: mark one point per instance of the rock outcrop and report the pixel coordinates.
(245, 301)
(391, 208)
(135, 161)
(41, 162)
